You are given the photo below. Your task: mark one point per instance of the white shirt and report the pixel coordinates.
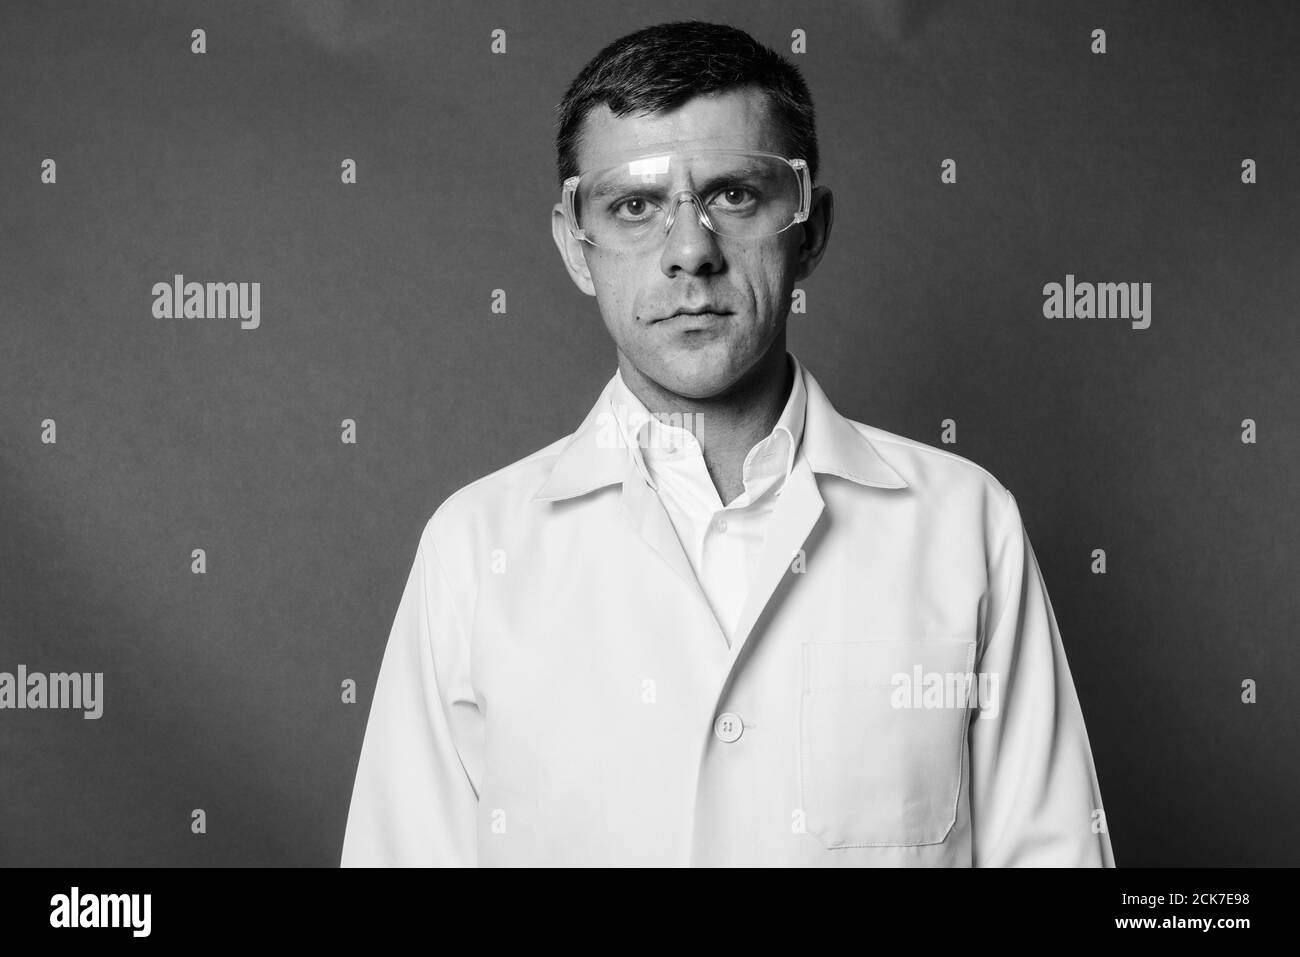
(722, 542)
(556, 689)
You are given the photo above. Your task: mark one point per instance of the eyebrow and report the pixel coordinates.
(755, 170)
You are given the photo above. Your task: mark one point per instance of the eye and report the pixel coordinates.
(630, 208)
(735, 197)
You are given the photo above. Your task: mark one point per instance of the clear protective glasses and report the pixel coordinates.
(741, 194)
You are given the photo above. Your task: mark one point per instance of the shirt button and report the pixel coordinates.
(727, 727)
(720, 524)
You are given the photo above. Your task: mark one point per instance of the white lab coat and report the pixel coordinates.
(556, 690)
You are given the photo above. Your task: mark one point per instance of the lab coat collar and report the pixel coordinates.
(830, 443)
(635, 421)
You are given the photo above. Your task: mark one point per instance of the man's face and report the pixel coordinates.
(746, 283)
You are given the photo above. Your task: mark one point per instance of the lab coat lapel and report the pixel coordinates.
(830, 444)
(650, 520)
(796, 514)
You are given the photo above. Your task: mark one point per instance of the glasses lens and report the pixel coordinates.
(743, 195)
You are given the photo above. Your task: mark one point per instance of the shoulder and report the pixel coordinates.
(491, 501)
(940, 480)
(927, 462)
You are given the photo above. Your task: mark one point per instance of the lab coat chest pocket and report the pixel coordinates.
(882, 739)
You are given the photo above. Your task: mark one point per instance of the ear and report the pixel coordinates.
(816, 231)
(572, 251)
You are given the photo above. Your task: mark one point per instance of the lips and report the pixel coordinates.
(705, 311)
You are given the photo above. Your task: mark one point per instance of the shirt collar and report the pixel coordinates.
(650, 439)
(596, 454)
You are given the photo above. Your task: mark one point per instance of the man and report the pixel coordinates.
(741, 630)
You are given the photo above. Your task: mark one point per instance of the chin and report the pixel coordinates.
(698, 377)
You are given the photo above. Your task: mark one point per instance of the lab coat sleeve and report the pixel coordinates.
(413, 800)
(1035, 798)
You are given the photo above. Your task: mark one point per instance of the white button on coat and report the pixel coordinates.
(728, 727)
(554, 673)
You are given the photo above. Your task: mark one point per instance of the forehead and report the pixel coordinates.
(737, 119)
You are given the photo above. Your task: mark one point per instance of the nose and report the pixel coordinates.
(690, 245)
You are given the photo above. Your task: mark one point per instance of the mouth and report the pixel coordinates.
(705, 314)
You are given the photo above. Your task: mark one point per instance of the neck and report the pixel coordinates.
(727, 426)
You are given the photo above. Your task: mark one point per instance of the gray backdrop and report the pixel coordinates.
(222, 690)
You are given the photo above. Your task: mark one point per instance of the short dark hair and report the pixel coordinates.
(661, 67)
